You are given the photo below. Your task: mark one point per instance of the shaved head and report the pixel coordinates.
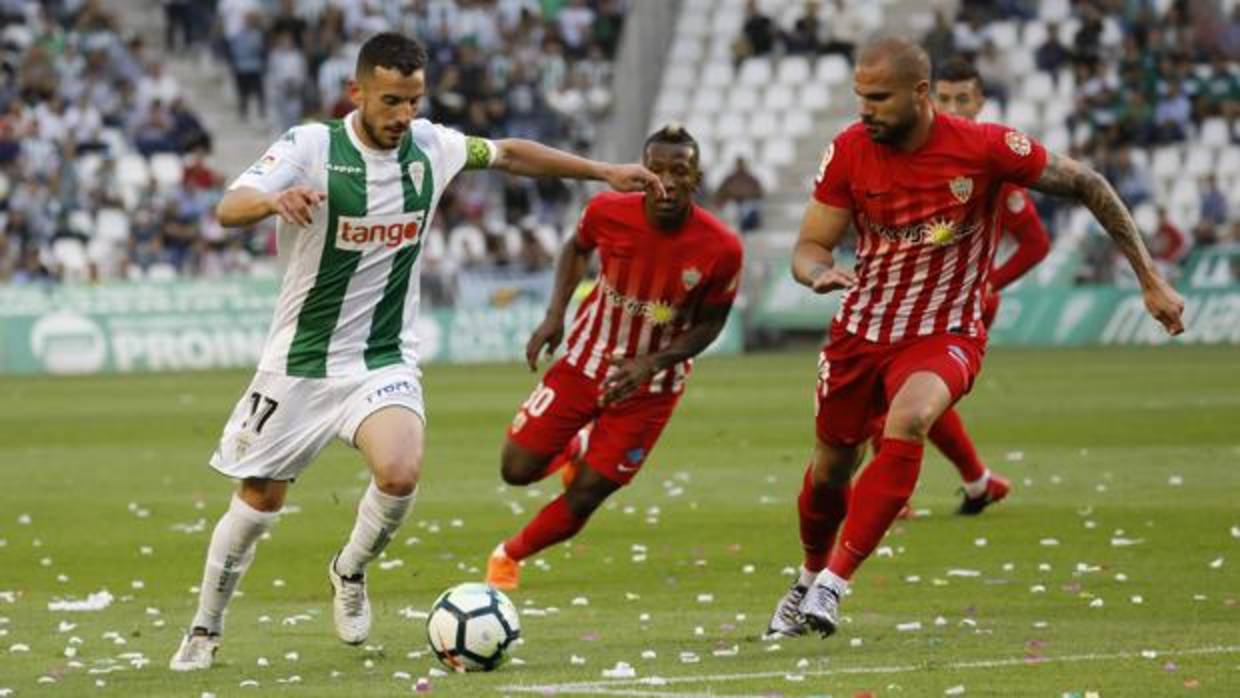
(907, 62)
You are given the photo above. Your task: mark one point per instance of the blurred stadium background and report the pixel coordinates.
(120, 122)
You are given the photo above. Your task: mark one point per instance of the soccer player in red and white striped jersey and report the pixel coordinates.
(922, 190)
(669, 273)
(958, 91)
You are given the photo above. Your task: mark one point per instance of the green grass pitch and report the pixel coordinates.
(1114, 568)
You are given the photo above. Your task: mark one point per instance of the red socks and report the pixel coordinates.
(555, 523)
(878, 494)
(949, 436)
(821, 510)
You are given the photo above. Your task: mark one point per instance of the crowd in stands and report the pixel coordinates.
(76, 82)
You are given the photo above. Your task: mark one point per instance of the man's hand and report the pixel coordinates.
(626, 376)
(549, 334)
(1165, 304)
(634, 178)
(296, 205)
(831, 279)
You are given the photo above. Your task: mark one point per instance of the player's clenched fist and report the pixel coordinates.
(296, 205)
(832, 279)
(549, 334)
(1166, 305)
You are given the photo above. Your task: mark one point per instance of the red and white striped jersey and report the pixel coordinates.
(927, 222)
(651, 284)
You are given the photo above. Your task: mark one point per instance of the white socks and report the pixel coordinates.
(977, 488)
(833, 581)
(378, 517)
(805, 578)
(228, 557)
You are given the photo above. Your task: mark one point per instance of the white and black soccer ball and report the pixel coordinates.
(471, 626)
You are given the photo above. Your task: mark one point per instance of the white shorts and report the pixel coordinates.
(281, 423)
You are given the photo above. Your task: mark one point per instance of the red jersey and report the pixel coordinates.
(1018, 217)
(650, 286)
(927, 223)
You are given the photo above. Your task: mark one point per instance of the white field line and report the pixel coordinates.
(614, 687)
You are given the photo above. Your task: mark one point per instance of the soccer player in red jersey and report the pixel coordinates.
(923, 191)
(958, 91)
(669, 273)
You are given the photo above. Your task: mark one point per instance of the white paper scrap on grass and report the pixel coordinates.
(95, 602)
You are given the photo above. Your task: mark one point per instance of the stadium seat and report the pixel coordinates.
(794, 70)
(679, 77)
(764, 124)
(778, 152)
(674, 102)
(1021, 62)
(1229, 162)
(730, 150)
(832, 70)
(1055, 114)
(728, 20)
(1199, 161)
(1035, 34)
(707, 99)
(1003, 34)
(1037, 86)
(701, 124)
(717, 74)
(547, 239)
(765, 176)
(1057, 139)
(81, 222)
(744, 98)
(466, 244)
(814, 95)
(132, 171)
(70, 255)
(167, 170)
(692, 22)
(991, 112)
(731, 125)
(434, 248)
(1166, 163)
(1054, 10)
(780, 98)
(1022, 115)
(1140, 158)
(756, 72)
(1145, 215)
(1214, 132)
(798, 123)
(686, 49)
(112, 224)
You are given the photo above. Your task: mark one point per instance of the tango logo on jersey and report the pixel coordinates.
(657, 312)
(372, 232)
(962, 188)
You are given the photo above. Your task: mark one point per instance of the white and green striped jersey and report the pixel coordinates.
(349, 298)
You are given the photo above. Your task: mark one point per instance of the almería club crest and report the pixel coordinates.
(962, 188)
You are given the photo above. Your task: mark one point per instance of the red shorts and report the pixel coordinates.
(566, 400)
(857, 378)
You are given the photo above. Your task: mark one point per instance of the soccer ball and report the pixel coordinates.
(471, 626)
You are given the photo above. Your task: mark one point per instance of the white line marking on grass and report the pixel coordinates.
(615, 687)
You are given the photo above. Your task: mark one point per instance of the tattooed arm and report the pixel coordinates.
(1066, 177)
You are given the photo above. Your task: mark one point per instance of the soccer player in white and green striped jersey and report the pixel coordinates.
(354, 199)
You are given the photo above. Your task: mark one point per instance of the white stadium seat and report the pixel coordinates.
(798, 123)
(672, 102)
(778, 152)
(1214, 132)
(1054, 10)
(780, 97)
(1229, 162)
(1035, 34)
(756, 72)
(794, 70)
(991, 112)
(731, 126)
(112, 224)
(1056, 113)
(1057, 140)
(1021, 61)
(679, 77)
(167, 170)
(707, 98)
(1145, 215)
(1166, 163)
(814, 95)
(1022, 115)
(1140, 158)
(1003, 34)
(744, 98)
(1200, 161)
(686, 49)
(717, 74)
(70, 256)
(1037, 86)
(764, 124)
(832, 70)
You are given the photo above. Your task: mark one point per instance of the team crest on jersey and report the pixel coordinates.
(690, 278)
(1016, 202)
(417, 174)
(1018, 142)
(962, 188)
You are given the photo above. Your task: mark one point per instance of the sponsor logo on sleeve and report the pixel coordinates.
(264, 165)
(1016, 202)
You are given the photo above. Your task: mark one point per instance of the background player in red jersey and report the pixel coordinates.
(958, 91)
(669, 273)
(922, 189)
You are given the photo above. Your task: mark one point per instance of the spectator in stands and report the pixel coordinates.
(993, 63)
(845, 27)
(575, 21)
(187, 132)
(741, 188)
(1173, 115)
(969, 37)
(1221, 90)
(151, 130)
(288, 21)
(1213, 203)
(940, 41)
(1132, 183)
(30, 268)
(758, 34)
(1229, 41)
(1052, 54)
(155, 84)
(1087, 44)
(286, 78)
(247, 51)
(1168, 244)
(803, 39)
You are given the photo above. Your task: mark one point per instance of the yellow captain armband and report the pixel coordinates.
(479, 153)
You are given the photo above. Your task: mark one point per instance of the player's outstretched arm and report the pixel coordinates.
(246, 205)
(631, 374)
(1064, 176)
(527, 158)
(813, 257)
(570, 268)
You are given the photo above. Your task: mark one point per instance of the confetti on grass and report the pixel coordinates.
(95, 602)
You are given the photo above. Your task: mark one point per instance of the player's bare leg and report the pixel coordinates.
(882, 489)
(821, 507)
(253, 510)
(558, 521)
(391, 441)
